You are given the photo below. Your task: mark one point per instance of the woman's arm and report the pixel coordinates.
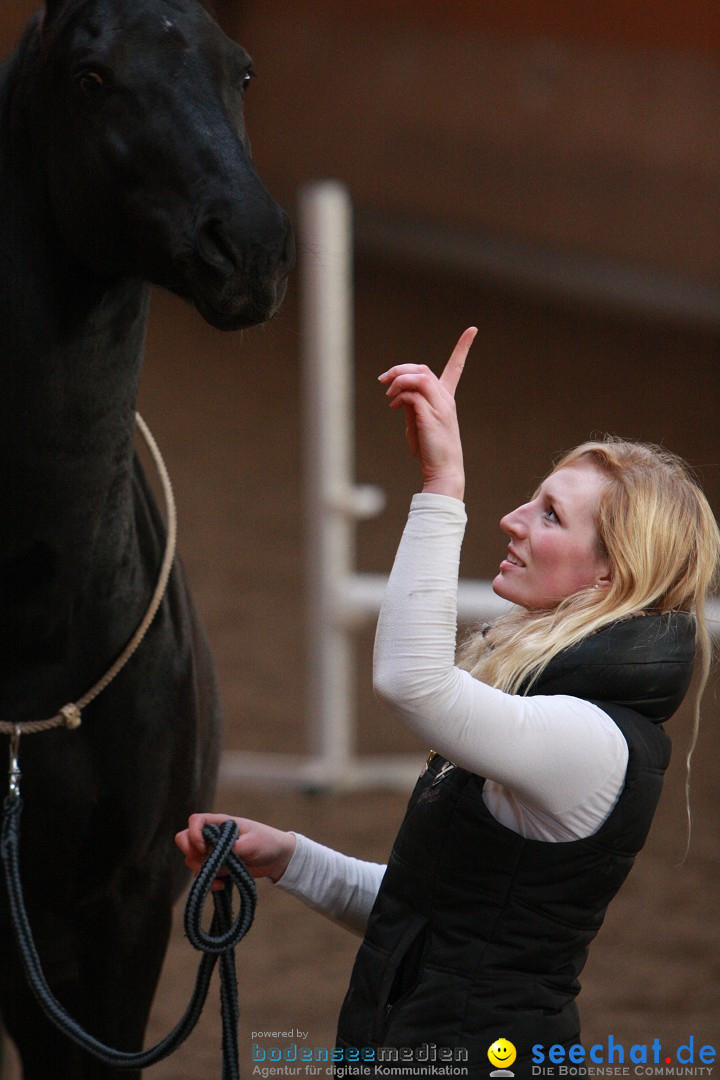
(340, 887)
(554, 753)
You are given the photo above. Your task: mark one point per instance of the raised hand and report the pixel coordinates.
(431, 422)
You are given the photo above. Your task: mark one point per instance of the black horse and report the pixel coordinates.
(123, 161)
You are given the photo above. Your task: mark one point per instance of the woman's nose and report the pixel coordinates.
(514, 523)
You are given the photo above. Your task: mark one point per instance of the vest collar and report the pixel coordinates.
(644, 663)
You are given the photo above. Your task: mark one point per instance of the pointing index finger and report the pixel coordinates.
(455, 365)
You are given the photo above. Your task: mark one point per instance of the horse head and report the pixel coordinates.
(138, 114)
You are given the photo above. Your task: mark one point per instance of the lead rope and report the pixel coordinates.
(219, 942)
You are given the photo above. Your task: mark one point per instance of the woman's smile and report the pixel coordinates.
(511, 559)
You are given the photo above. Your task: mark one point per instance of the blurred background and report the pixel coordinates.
(550, 173)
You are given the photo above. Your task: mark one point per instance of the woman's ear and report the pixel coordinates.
(603, 579)
(603, 572)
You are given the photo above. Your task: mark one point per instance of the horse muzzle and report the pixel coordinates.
(237, 276)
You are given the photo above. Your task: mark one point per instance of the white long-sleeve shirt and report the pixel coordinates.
(555, 765)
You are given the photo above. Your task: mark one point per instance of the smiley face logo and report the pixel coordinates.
(502, 1053)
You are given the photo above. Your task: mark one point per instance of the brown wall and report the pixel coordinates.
(584, 145)
(692, 27)
(14, 15)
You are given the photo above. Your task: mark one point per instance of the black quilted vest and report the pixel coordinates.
(479, 934)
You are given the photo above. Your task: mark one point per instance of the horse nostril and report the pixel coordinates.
(215, 246)
(227, 245)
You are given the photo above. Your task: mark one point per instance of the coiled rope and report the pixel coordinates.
(219, 943)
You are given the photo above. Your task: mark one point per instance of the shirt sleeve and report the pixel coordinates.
(338, 886)
(555, 756)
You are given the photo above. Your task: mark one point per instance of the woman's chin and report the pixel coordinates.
(502, 588)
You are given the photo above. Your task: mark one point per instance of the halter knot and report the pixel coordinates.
(73, 716)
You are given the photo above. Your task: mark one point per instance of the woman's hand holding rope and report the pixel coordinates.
(265, 851)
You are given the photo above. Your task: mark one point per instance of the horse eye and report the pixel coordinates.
(247, 78)
(90, 81)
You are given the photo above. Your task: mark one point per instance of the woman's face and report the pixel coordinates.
(553, 541)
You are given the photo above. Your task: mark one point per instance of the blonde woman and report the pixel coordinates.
(548, 747)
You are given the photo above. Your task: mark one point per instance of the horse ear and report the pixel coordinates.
(52, 7)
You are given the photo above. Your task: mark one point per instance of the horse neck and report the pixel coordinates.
(71, 353)
(69, 539)
(69, 384)
(72, 577)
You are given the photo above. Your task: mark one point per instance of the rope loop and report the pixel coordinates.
(216, 945)
(221, 838)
